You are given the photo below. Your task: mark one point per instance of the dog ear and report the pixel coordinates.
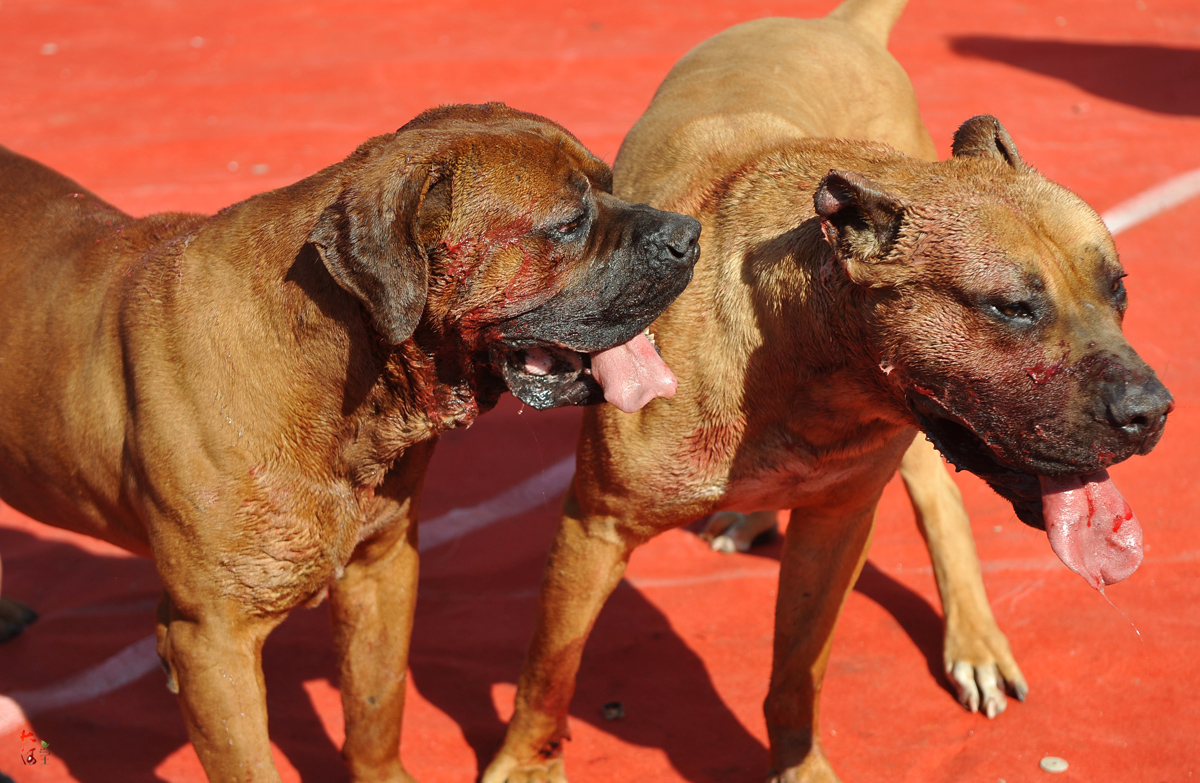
(985, 137)
(860, 220)
(369, 239)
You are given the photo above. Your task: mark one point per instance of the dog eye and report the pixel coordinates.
(1118, 286)
(571, 226)
(1014, 311)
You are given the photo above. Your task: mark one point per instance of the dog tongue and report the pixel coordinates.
(633, 374)
(1091, 527)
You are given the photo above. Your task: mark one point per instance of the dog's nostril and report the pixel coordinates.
(1137, 425)
(1139, 409)
(682, 236)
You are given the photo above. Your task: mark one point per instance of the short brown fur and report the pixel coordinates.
(252, 398)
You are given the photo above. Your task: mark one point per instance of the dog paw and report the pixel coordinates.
(814, 769)
(14, 616)
(730, 531)
(981, 669)
(506, 769)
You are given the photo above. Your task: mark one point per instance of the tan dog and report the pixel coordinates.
(252, 398)
(847, 293)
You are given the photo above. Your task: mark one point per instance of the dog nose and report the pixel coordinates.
(676, 239)
(683, 236)
(1138, 408)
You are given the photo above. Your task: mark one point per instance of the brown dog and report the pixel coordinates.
(847, 294)
(252, 398)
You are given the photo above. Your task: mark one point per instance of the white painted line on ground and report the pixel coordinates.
(1154, 201)
(141, 657)
(544, 487)
(123, 668)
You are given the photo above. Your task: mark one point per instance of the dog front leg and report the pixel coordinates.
(822, 557)
(213, 656)
(14, 615)
(586, 563)
(372, 607)
(975, 652)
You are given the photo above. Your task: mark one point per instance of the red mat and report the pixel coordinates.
(161, 105)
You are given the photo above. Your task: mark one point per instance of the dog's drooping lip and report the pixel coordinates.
(1090, 526)
(628, 375)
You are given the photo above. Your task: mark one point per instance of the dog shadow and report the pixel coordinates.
(633, 657)
(1157, 78)
(467, 649)
(918, 618)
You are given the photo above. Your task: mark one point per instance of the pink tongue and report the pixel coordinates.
(1091, 527)
(633, 374)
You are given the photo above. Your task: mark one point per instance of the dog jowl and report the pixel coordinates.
(1004, 339)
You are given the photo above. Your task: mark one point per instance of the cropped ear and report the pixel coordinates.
(860, 221)
(985, 137)
(369, 240)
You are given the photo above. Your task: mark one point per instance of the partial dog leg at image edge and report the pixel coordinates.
(14, 614)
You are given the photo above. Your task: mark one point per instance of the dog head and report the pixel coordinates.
(993, 301)
(491, 238)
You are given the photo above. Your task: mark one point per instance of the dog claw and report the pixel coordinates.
(725, 544)
(980, 688)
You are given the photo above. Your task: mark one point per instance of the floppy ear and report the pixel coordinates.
(860, 221)
(985, 137)
(369, 241)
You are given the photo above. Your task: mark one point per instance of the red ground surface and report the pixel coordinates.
(163, 105)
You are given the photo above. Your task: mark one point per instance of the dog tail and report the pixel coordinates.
(874, 17)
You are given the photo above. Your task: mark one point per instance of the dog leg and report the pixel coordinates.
(372, 606)
(14, 615)
(822, 557)
(976, 654)
(586, 563)
(214, 654)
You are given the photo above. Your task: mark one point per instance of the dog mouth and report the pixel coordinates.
(1087, 520)
(628, 375)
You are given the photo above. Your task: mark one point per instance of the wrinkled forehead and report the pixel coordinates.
(528, 172)
(1043, 232)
